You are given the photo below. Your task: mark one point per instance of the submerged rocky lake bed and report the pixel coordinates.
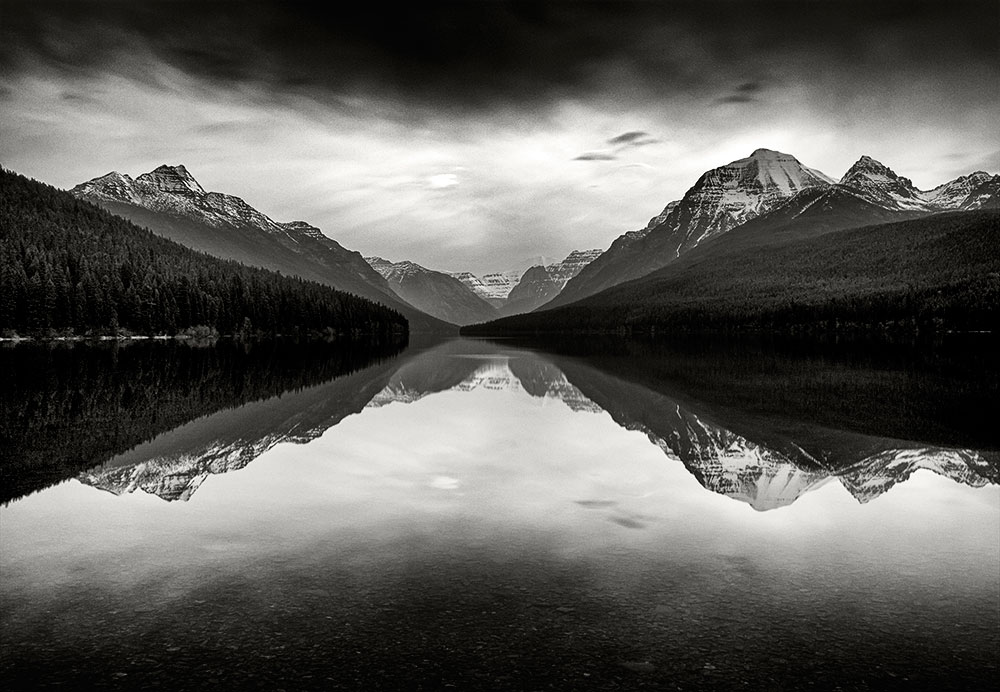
(467, 514)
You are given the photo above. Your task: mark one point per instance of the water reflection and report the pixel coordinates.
(491, 516)
(72, 406)
(765, 466)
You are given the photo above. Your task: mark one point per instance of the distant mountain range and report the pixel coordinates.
(464, 298)
(749, 206)
(724, 198)
(540, 284)
(767, 242)
(436, 293)
(752, 467)
(171, 203)
(70, 269)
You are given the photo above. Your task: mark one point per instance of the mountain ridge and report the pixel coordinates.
(767, 180)
(436, 293)
(721, 199)
(937, 272)
(171, 203)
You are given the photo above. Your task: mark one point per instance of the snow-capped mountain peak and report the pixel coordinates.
(396, 271)
(172, 189)
(175, 179)
(954, 193)
(112, 186)
(775, 169)
(732, 194)
(878, 183)
(868, 168)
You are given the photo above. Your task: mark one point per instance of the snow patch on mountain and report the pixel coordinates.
(877, 474)
(497, 375)
(499, 287)
(730, 195)
(175, 179)
(878, 183)
(397, 271)
(173, 190)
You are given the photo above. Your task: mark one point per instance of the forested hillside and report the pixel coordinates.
(939, 272)
(68, 267)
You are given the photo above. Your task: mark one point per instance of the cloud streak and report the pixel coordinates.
(596, 156)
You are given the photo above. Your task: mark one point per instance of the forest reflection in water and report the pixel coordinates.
(503, 515)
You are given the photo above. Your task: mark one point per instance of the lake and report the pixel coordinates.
(596, 514)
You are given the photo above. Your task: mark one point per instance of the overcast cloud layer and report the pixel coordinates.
(473, 135)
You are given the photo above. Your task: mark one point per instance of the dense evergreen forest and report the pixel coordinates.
(65, 408)
(935, 273)
(68, 267)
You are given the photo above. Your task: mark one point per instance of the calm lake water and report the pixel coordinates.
(501, 515)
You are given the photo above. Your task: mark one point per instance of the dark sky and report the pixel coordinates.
(462, 135)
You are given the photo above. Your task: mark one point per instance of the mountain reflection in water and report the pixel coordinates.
(503, 516)
(763, 469)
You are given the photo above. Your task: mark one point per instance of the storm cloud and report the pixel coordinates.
(473, 55)
(452, 133)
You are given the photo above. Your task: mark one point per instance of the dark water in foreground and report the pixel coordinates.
(475, 515)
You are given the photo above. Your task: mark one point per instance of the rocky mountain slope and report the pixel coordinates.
(171, 203)
(433, 292)
(770, 185)
(931, 273)
(494, 288)
(541, 284)
(721, 199)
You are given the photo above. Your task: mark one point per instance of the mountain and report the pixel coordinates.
(533, 282)
(720, 200)
(933, 273)
(877, 183)
(984, 195)
(540, 284)
(880, 185)
(70, 268)
(436, 293)
(493, 288)
(774, 187)
(959, 193)
(747, 274)
(869, 193)
(171, 203)
(479, 287)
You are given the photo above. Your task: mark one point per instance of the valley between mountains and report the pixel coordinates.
(764, 242)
